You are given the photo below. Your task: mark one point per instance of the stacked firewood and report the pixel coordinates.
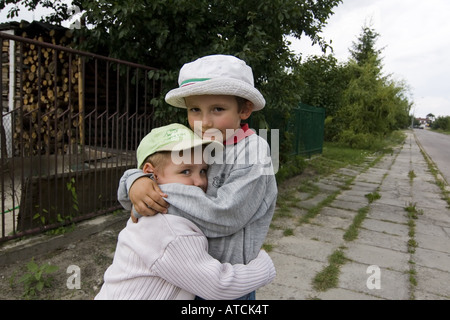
(49, 91)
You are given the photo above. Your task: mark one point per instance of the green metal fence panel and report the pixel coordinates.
(305, 129)
(308, 125)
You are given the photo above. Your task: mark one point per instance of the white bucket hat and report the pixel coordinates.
(216, 75)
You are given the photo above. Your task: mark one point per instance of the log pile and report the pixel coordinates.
(49, 90)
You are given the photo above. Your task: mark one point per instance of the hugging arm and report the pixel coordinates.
(235, 204)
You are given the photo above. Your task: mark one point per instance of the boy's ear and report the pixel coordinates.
(246, 110)
(148, 168)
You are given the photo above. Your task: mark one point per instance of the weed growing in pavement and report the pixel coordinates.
(411, 176)
(352, 231)
(413, 214)
(373, 196)
(329, 277)
(440, 183)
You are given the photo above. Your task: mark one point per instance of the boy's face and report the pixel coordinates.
(217, 114)
(188, 174)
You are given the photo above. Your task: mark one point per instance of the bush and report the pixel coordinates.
(442, 123)
(360, 140)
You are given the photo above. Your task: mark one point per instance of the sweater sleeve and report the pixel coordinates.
(247, 193)
(127, 179)
(186, 264)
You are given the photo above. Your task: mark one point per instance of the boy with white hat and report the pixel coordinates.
(235, 214)
(166, 256)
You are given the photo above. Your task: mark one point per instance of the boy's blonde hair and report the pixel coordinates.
(158, 160)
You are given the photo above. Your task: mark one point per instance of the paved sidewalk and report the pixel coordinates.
(409, 258)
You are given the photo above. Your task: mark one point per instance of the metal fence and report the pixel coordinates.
(69, 127)
(307, 126)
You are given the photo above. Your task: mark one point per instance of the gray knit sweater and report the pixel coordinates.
(236, 211)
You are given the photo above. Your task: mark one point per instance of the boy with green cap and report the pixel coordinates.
(235, 214)
(166, 256)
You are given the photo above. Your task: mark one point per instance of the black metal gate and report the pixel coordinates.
(69, 127)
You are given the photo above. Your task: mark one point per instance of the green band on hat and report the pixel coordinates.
(193, 80)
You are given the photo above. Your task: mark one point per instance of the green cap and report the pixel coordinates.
(173, 137)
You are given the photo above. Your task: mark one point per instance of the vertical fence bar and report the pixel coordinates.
(3, 151)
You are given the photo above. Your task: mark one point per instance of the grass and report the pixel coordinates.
(413, 214)
(373, 196)
(314, 211)
(329, 277)
(335, 156)
(352, 231)
(439, 182)
(411, 176)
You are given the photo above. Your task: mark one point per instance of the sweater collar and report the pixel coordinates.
(239, 135)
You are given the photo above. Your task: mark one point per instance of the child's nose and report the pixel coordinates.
(200, 182)
(206, 122)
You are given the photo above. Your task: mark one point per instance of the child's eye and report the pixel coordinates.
(186, 172)
(218, 109)
(194, 109)
(203, 171)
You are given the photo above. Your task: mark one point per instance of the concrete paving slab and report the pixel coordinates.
(363, 187)
(447, 231)
(293, 280)
(346, 205)
(356, 191)
(313, 202)
(437, 217)
(425, 227)
(400, 201)
(388, 228)
(333, 222)
(382, 240)
(302, 195)
(329, 188)
(393, 284)
(380, 211)
(431, 242)
(424, 202)
(363, 201)
(344, 214)
(432, 259)
(345, 294)
(382, 257)
(432, 281)
(348, 172)
(301, 246)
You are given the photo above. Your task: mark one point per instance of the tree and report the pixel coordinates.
(372, 105)
(168, 33)
(323, 82)
(431, 117)
(441, 123)
(363, 51)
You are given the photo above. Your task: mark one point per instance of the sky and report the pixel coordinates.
(414, 37)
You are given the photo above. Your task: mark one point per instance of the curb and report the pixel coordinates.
(24, 249)
(439, 175)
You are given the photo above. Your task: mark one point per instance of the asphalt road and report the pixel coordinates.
(437, 146)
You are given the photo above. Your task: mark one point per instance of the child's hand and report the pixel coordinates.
(147, 198)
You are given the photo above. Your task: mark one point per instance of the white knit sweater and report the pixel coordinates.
(166, 257)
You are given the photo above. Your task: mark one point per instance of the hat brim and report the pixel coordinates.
(185, 145)
(216, 86)
(189, 144)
